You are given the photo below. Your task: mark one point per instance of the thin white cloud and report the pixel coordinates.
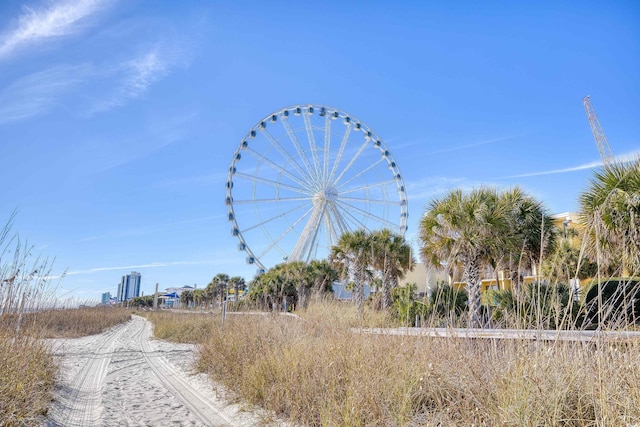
(135, 266)
(475, 144)
(58, 20)
(40, 92)
(37, 93)
(556, 171)
(159, 132)
(623, 158)
(135, 76)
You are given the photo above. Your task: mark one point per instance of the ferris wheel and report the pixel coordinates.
(302, 176)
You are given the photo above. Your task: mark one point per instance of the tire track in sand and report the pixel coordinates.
(123, 377)
(80, 401)
(174, 381)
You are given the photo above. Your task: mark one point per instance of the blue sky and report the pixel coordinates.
(119, 119)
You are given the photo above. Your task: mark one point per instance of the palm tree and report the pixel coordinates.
(392, 257)
(270, 288)
(186, 297)
(222, 282)
(352, 257)
(531, 229)
(217, 287)
(237, 283)
(470, 229)
(298, 275)
(199, 296)
(210, 293)
(323, 275)
(610, 209)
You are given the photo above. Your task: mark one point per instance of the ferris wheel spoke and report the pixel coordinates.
(266, 221)
(307, 238)
(296, 144)
(327, 145)
(343, 144)
(368, 186)
(329, 226)
(312, 144)
(272, 200)
(379, 219)
(275, 184)
(362, 172)
(278, 168)
(284, 153)
(340, 222)
(367, 200)
(351, 162)
(354, 219)
(285, 232)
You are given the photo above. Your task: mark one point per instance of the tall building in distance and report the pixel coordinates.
(106, 296)
(129, 286)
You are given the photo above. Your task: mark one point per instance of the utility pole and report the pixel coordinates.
(598, 134)
(155, 298)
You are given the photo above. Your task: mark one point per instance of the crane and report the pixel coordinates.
(598, 134)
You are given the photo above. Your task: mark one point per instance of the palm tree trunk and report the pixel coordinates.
(359, 292)
(386, 290)
(472, 277)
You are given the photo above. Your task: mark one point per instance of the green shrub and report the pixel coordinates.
(405, 307)
(620, 303)
(536, 305)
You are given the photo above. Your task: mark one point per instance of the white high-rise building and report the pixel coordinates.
(129, 286)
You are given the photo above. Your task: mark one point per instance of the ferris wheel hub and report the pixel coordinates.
(329, 194)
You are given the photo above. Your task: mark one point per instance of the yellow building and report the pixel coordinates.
(569, 226)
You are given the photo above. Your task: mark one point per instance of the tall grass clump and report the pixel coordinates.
(181, 327)
(28, 314)
(318, 371)
(27, 370)
(75, 322)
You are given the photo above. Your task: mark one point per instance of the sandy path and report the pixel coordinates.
(123, 377)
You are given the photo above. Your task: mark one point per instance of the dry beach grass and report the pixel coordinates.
(316, 371)
(27, 369)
